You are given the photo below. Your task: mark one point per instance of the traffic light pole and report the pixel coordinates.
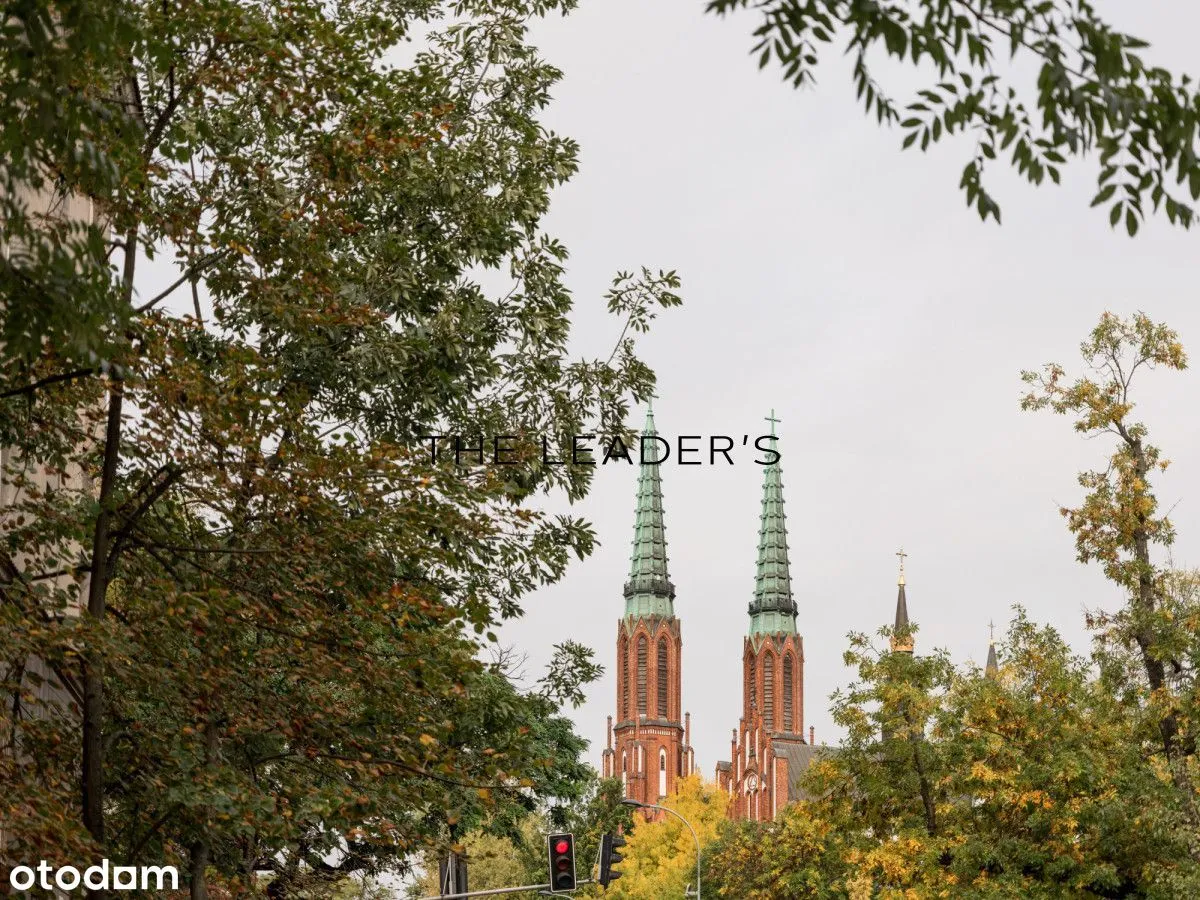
(640, 805)
(494, 892)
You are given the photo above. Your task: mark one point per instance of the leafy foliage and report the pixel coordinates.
(1094, 94)
(660, 856)
(1061, 776)
(285, 603)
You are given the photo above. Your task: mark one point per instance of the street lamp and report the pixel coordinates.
(640, 805)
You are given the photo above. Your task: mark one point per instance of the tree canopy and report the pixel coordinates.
(1095, 92)
(227, 543)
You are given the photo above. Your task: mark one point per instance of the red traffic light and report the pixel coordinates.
(561, 852)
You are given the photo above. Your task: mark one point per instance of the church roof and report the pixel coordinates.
(799, 756)
(773, 610)
(649, 591)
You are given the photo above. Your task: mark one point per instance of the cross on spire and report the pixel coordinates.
(991, 632)
(774, 421)
(900, 553)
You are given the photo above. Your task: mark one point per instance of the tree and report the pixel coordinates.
(1039, 784)
(1117, 524)
(660, 856)
(1094, 94)
(285, 597)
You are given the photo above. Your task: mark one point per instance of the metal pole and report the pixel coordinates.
(641, 805)
(492, 892)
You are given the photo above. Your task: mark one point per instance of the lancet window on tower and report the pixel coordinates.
(641, 674)
(662, 678)
(753, 683)
(769, 692)
(625, 678)
(788, 724)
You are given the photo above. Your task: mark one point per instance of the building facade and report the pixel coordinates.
(768, 749)
(649, 743)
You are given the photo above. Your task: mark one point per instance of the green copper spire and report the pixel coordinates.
(773, 610)
(649, 591)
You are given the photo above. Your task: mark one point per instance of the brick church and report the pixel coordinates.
(649, 745)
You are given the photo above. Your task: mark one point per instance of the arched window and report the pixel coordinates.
(662, 773)
(787, 693)
(662, 678)
(625, 774)
(753, 685)
(769, 692)
(625, 677)
(641, 674)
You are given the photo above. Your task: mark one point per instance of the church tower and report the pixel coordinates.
(768, 748)
(648, 747)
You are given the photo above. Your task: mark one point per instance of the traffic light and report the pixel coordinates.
(562, 862)
(609, 857)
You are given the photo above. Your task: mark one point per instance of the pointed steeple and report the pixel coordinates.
(901, 644)
(649, 591)
(992, 670)
(774, 609)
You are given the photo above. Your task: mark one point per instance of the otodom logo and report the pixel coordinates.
(102, 877)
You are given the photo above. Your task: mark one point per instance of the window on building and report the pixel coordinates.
(662, 772)
(753, 684)
(769, 692)
(788, 724)
(641, 674)
(662, 678)
(624, 676)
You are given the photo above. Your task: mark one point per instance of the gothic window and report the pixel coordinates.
(753, 685)
(769, 692)
(787, 693)
(662, 678)
(625, 678)
(625, 774)
(641, 674)
(662, 773)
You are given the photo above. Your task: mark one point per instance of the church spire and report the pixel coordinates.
(649, 591)
(992, 669)
(774, 609)
(901, 643)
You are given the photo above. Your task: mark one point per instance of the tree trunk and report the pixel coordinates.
(1146, 602)
(92, 777)
(93, 667)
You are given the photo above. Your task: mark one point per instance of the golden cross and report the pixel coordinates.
(900, 553)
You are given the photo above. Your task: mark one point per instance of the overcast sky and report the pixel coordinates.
(843, 282)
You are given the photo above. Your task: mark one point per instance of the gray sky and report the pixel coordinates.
(846, 284)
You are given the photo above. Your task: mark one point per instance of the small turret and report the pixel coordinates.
(992, 670)
(901, 641)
